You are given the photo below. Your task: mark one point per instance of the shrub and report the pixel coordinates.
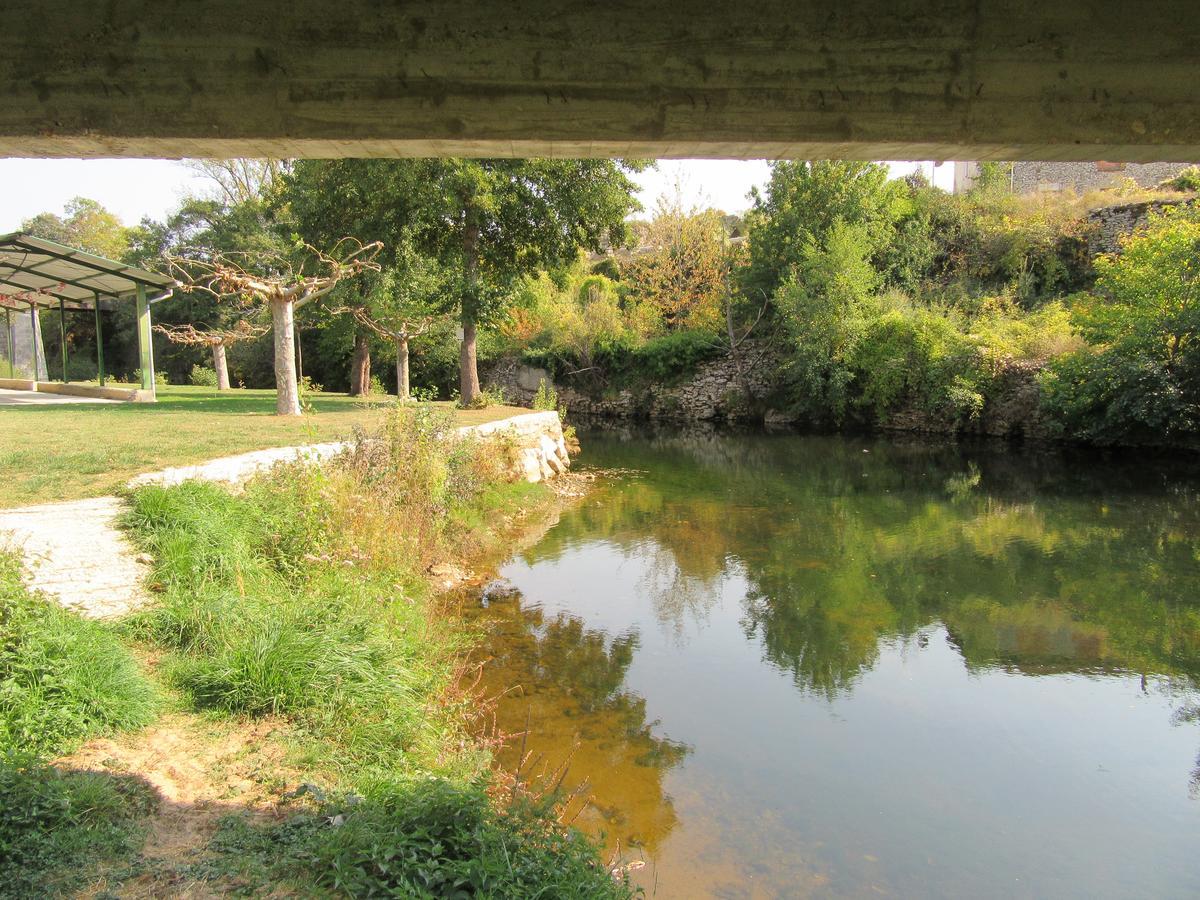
(55, 825)
(429, 838)
(1140, 378)
(202, 376)
(62, 678)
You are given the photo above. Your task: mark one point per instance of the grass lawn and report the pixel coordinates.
(65, 452)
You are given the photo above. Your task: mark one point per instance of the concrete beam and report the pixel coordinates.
(894, 79)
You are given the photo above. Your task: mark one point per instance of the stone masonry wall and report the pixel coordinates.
(1110, 223)
(1029, 177)
(731, 388)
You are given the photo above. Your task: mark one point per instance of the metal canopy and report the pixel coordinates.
(37, 270)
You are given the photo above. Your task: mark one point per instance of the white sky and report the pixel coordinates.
(133, 188)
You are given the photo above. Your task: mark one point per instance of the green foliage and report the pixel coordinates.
(1140, 378)
(86, 225)
(1187, 180)
(546, 398)
(804, 201)
(56, 825)
(62, 678)
(202, 376)
(427, 838)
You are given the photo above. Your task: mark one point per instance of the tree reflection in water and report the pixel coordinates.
(570, 681)
(832, 550)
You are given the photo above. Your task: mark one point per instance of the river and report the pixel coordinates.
(808, 666)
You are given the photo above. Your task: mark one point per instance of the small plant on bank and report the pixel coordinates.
(202, 376)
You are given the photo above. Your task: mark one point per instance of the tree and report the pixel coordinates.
(1140, 378)
(488, 221)
(216, 340)
(238, 181)
(86, 225)
(282, 284)
(681, 267)
(401, 303)
(803, 201)
(201, 229)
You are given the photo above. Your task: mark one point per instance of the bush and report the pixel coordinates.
(55, 825)
(428, 838)
(202, 376)
(62, 678)
(1139, 380)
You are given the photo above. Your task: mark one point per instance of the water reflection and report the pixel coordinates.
(908, 594)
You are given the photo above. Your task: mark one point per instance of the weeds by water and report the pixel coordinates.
(304, 598)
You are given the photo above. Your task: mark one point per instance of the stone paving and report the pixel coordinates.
(75, 553)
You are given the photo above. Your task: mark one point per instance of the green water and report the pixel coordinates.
(811, 666)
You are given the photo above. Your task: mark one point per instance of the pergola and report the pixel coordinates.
(38, 273)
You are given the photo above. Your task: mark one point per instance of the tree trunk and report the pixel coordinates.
(220, 367)
(360, 365)
(402, 368)
(468, 370)
(287, 391)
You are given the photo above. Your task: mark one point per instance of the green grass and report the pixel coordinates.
(345, 652)
(56, 826)
(420, 838)
(62, 678)
(65, 452)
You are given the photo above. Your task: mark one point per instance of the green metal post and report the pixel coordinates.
(99, 344)
(35, 329)
(62, 333)
(8, 341)
(145, 341)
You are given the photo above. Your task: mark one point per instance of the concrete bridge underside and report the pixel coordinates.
(894, 79)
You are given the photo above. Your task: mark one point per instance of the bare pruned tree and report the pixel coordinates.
(397, 330)
(216, 339)
(282, 284)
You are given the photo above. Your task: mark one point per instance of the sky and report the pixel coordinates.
(133, 188)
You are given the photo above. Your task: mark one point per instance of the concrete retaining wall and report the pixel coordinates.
(537, 438)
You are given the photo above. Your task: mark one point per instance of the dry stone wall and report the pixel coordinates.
(1109, 224)
(732, 388)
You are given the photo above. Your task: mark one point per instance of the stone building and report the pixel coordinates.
(1080, 177)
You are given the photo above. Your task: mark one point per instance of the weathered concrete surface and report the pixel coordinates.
(75, 553)
(527, 430)
(24, 397)
(882, 79)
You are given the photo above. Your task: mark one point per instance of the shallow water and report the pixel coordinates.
(838, 667)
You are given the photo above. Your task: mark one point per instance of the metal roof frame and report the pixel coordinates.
(32, 267)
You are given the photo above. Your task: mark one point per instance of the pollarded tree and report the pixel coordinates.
(401, 303)
(281, 284)
(216, 339)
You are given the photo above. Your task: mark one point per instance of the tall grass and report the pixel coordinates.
(304, 596)
(62, 678)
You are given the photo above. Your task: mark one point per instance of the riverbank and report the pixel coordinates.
(301, 724)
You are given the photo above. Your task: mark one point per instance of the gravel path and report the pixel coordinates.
(75, 552)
